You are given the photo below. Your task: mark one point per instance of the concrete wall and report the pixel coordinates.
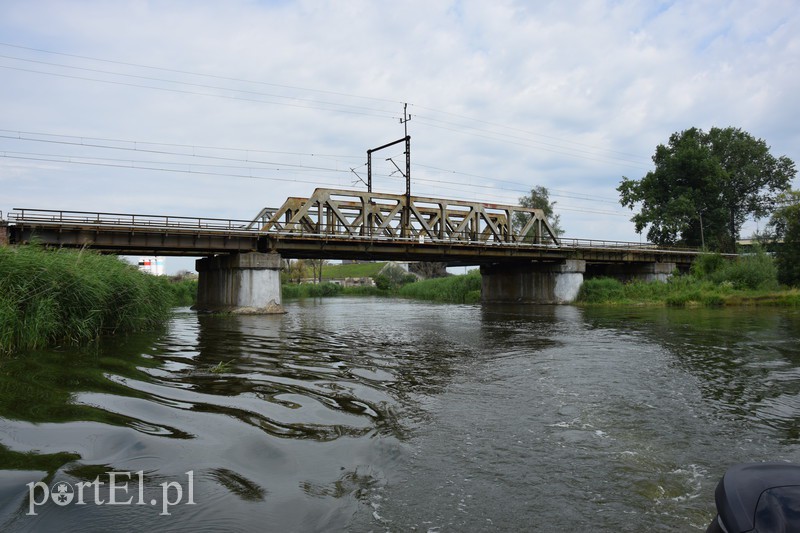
(558, 283)
(630, 271)
(4, 237)
(247, 283)
(535, 282)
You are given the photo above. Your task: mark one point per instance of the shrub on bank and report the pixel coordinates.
(756, 271)
(184, 291)
(67, 296)
(713, 282)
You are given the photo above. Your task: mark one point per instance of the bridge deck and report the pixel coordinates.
(166, 235)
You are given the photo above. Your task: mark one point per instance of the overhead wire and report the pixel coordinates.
(205, 75)
(275, 165)
(382, 112)
(430, 121)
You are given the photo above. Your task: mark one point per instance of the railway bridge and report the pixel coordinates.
(521, 258)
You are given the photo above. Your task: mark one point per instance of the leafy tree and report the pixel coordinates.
(704, 187)
(393, 276)
(785, 222)
(296, 270)
(538, 198)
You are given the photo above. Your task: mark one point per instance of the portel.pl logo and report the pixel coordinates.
(115, 492)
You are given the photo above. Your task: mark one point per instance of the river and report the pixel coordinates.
(370, 414)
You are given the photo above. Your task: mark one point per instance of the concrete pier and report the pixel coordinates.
(534, 282)
(242, 283)
(4, 239)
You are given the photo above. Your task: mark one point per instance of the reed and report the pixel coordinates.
(53, 297)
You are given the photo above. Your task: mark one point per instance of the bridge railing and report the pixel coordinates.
(124, 220)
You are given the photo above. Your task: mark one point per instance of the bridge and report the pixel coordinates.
(521, 257)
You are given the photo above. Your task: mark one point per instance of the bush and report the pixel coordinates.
(753, 271)
(599, 290)
(184, 291)
(707, 264)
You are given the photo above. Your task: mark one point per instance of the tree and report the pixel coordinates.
(704, 187)
(538, 198)
(296, 270)
(785, 223)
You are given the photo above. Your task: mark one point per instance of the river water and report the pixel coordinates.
(368, 414)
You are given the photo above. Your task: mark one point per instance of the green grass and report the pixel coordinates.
(713, 282)
(352, 270)
(73, 296)
(681, 291)
(454, 289)
(184, 291)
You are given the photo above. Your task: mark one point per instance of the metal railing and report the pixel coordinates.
(125, 220)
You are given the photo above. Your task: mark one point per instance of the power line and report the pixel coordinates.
(194, 93)
(190, 84)
(135, 148)
(212, 76)
(529, 145)
(613, 157)
(80, 141)
(526, 188)
(520, 130)
(69, 159)
(144, 165)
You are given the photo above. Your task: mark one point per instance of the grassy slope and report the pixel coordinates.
(354, 270)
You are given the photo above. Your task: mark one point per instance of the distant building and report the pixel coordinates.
(152, 265)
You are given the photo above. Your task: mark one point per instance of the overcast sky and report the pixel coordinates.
(217, 109)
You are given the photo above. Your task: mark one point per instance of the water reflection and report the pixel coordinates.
(370, 414)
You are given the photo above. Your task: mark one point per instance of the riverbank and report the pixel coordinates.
(713, 282)
(57, 297)
(451, 289)
(681, 291)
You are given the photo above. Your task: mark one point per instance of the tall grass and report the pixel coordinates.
(455, 289)
(69, 297)
(184, 291)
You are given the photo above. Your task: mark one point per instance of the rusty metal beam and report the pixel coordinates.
(340, 211)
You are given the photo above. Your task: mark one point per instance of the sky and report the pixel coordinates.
(217, 109)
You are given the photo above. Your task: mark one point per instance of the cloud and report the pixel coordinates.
(503, 95)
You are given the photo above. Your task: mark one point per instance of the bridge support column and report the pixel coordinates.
(534, 283)
(4, 233)
(244, 283)
(634, 271)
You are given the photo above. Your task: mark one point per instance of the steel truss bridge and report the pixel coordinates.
(340, 224)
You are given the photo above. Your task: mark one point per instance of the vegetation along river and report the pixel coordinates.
(370, 414)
